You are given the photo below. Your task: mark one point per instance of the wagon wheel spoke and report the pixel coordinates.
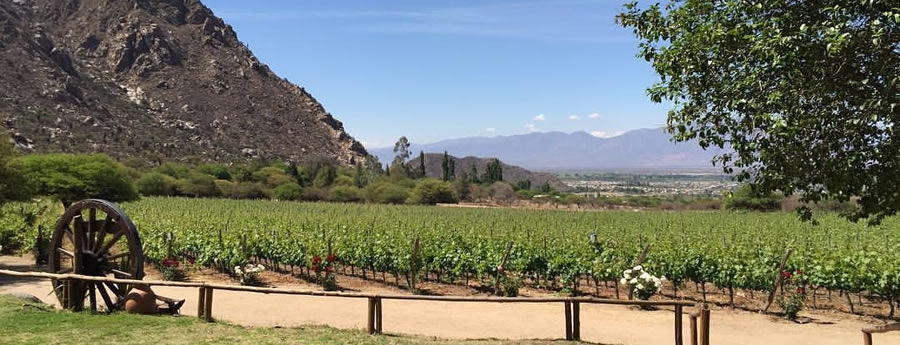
(92, 286)
(107, 225)
(65, 252)
(80, 227)
(68, 232)
(91, 228)
(115, 290)
(112, 258)
(111, 242)
(121, 273)
(110, 306)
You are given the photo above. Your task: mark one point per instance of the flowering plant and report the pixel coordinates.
(792, 304)
(248, 273)
(169, 269)
(325, 271)
(643, 284)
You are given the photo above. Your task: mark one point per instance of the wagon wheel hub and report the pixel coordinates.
(95, 265)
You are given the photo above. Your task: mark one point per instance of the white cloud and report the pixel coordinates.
(490, 130)
(605, 134)
(573, 117)
(531, 127)
(594, 116)
(540, 117)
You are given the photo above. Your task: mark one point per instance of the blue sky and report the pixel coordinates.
(433, 70)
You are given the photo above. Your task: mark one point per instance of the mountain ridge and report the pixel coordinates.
(636, 149)
(155, 80)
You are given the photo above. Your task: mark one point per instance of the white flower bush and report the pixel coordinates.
(643, 284)
(247, 274)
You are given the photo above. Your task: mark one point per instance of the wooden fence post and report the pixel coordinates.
(704, 325)
(413, 263)
(693, 332)
(501, 269)
(568, 311)
(576, 320)
(201, 303)
(370, 320)
(679, 336)
(378, 301)
(207, 314)
(777, 280)
(867, 338)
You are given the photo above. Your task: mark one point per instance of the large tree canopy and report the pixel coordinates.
(70, 178)
(804, 93)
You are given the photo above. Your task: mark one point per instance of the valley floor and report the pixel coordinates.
(600, 323)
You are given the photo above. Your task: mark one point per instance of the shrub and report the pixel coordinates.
(386, 193)
(173, 169)
(241, 190)
(345, 194)
(216, 170)
(430, 191)
(272, 177)
(745, 198)
(198, 186)
(502, 191)
(13, 184)
(344, 180)
(288, 191)
(70, 177)
(156, 184)
(314, 194)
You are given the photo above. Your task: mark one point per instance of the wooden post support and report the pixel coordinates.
(568, 311)
(370, 316)
(679, 336)
(413, 263)
(207, 313)
(704, 325)
(501, 269)
(576, 320)
(777, 280)
(201, 303)
(693, 332)
(378, 329)
(867, 338)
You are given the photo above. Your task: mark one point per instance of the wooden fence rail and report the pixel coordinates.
(572, 305)
(867, 332)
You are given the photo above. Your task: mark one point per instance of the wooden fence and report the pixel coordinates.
(699, 329)
(867, 332)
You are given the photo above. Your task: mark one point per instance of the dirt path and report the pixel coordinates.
(600, 323)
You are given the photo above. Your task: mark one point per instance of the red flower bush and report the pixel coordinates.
(786, 275)
(170, 262)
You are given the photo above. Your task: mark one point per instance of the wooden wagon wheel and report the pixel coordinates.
(95, 237)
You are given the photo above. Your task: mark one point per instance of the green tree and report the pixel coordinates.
(70, 178)
(420, 170)
(805, 93)
(746, 198)
(287, 191)
(216, 170)
(493, 172)
(156, 184)
(198, 185)
(401, 150)
(13, 184)
(461, 184)
(325, 177)
(431, 191)
(473, 175)
(448, 168)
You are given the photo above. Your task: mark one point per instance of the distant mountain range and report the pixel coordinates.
(650, 149)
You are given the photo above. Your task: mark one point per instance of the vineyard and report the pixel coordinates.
(551, 249)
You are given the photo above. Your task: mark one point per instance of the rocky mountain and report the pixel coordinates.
(511, 173)
(151, 79)
(637, 149)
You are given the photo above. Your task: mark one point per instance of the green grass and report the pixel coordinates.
(23, 322)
